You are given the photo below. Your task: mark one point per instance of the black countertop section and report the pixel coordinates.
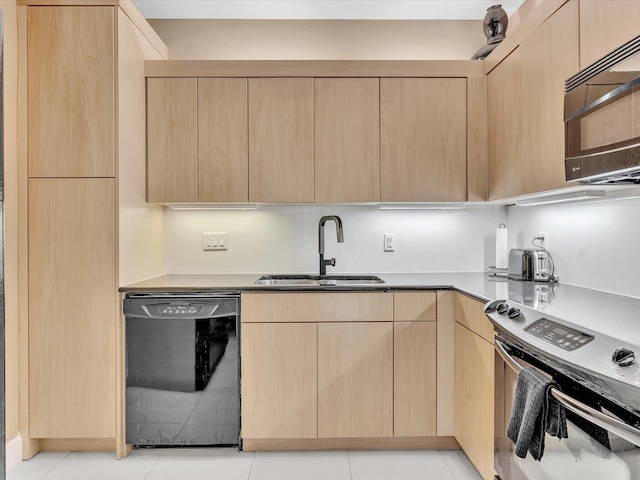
(615, 315)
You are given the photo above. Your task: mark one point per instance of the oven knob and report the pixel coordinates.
(502, 308)
(513, 312)
(623, 356)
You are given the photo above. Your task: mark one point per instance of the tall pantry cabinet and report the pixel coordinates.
(82, 162)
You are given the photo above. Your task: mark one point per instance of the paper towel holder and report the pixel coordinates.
(500, 268)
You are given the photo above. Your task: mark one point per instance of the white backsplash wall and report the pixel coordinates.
(284, 239)
(594, 245)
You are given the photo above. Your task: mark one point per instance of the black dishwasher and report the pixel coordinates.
(182, 375)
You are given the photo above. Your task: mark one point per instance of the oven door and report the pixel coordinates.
(589, 452)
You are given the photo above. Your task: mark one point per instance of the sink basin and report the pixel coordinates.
(317, 280)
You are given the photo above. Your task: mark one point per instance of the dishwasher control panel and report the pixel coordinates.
(178, 309)
(167, 307)
(559, 335)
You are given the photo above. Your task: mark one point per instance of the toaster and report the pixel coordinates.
(529, 264)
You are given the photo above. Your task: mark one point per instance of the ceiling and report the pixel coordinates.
(322, 9)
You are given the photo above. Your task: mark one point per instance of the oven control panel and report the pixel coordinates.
(559, 335)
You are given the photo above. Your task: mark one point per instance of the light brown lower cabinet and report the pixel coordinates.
(474, 381)
(72, 280)
(279, 380)
(355, 379)
(414, 379)
(336, 367)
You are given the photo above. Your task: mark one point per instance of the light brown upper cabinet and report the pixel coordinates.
(172, 154)
(526, 109)
(71, 91)
(281, 132)
(503, 109)
(347, 140)
(197, 140)
(548, 58)
(423, 139)
(223, 157)
(605, 26)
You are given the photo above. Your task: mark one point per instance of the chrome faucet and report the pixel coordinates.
(340, 235)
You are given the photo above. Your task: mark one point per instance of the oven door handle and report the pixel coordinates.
(612, 424)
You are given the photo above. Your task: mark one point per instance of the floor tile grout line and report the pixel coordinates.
(444, 459)
(55, 466)
(251, 468)
(153, 466)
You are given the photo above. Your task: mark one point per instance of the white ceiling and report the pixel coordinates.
(323, 9)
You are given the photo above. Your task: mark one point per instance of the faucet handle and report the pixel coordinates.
(332, 262)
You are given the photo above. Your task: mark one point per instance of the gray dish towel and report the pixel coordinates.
(533, 413)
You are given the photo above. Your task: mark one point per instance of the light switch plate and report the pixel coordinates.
(389, 242)
(215, 241)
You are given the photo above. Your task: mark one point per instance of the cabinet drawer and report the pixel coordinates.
(470, 314)
(317, 307)
(414, 306)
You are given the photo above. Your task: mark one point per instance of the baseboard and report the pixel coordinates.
(77, 444)
(369, 443)
(13, 452)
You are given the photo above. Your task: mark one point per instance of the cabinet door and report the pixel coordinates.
(71, 90)
(423, 132)
(223, 157)
(172, 140)
(414, 393)
(279, 380)
(526, 109)
(355, 380)
(281, 160)
(605, 26)
(347, 126)
(548, 58)
(72, 308)
(505, 116)
(475, 399)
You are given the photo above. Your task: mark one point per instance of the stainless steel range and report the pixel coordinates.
(599, 385)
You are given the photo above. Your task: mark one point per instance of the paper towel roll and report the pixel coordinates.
(501, 247)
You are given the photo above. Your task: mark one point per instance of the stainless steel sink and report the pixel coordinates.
(317, 280)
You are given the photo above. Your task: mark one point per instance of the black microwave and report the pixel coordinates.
(602, 119)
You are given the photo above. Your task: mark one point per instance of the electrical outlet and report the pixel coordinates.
(214, 241)
(389, 242)
(543, 240)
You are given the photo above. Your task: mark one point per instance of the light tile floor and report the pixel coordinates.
(230, 464)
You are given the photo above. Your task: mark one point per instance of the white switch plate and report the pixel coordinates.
(389, 242)
(215, 241)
